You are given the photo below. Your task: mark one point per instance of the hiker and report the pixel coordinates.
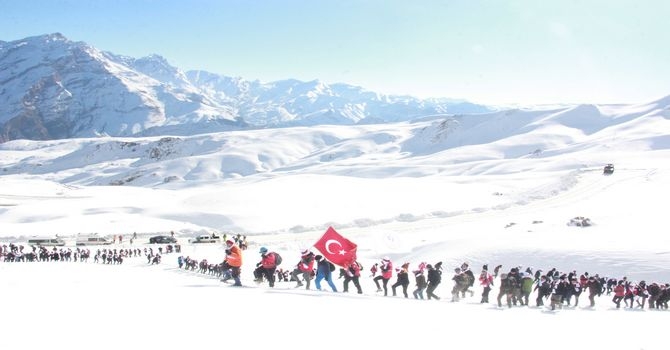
(486, 281)
(304, 268)
(402, 279)
(386, 268)
(421, 284)
(324, 270)
(352, 273)
(434, 279)
(266, 267)
(234, 260)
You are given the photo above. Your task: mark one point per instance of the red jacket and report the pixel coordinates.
(619, 290)
(268, 261)
(306, 264)
(353, 270)
(387, 269)
(486, 280)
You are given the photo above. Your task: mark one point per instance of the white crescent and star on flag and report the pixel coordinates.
(331, 242)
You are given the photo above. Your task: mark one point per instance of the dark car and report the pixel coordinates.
(162, 239)
(609, 169)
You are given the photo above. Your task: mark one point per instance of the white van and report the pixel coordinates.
(206, 239)
(93, 240)
(46, 241)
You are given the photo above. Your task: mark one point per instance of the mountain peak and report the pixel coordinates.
(45, 38)
(55, 88)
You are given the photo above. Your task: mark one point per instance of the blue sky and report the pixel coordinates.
(496, 52)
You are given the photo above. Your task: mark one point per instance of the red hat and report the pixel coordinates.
(230, 242)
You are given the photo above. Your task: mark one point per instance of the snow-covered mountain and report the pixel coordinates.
(53, 88)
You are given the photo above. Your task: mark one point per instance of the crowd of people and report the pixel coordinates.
(553, 288)
(516, 287)
(35, 253)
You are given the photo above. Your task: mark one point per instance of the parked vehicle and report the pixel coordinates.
(206, 239)
(162, 240)
(46, 241)
(93, 240)
(580, 221)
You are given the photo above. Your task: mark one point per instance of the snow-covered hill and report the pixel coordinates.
(520, 155)
(499, 142)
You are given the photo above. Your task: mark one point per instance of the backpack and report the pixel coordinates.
(278, 259)
(332, 266)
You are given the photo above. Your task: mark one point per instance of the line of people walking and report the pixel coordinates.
(515, 286)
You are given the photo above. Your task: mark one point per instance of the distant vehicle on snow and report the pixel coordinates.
(608, 169)
(206, 239)
(580, 221)
(46, 241)
(162, 239)
(93, 240)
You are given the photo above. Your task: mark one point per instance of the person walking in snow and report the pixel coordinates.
(526, 287)
(460, 283)
(654, 290)
(374, 269)
(629, 295)
(469, 279)
(642, 293)
(352, 273)
(324, 270)
(421, 284)
(544, 289)
(560, 290)
(234, 260)
(619, 292)
(304, 268)
(486, 281)
(434, 280)
(514, 287)
(595, 288)
(504, 288)
(402, 275)
(266, 267)
(386, 268)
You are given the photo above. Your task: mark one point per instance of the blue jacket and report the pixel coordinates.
(323, 268)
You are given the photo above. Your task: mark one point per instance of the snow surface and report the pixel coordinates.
(483, 203)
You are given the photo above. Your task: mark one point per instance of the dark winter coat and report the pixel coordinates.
(562, 287)
(594, 287)
(323, 267)
(470, 277)
(544, 288)
(421, 281)
(403, 278)
(434, 276)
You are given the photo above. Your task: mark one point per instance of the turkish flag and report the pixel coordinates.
(335, 248)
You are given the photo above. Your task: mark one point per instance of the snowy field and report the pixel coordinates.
(477, 210)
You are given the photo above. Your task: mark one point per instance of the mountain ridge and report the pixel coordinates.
(54, 88)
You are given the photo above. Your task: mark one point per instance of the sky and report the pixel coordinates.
(400, 196)
(494, 52)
